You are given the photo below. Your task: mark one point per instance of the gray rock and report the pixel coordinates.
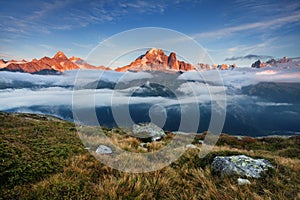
(143, 144)
(239, 137)
(242, 181)
(102, 149)
(148, 131)
(240, 165)
(191, 146)
(201, 141)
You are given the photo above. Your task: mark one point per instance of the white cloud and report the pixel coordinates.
(279, 22)
(193, 92)
(272, 104)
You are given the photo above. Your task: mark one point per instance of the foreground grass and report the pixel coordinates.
(43, 158)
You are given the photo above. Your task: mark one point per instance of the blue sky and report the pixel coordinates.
(226, 29)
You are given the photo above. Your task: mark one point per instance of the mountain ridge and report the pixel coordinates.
(153, 60)
(46, 65)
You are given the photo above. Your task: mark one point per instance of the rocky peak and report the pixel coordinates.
(154, 51)
(173, 62)
(156, 59)
(156, 56)
(257, 64)
(60, 55)
(271, 62)
(284, 60)
(74, 59)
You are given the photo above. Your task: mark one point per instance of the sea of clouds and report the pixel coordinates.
(21, 92)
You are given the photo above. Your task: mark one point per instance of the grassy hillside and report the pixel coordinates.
(42, 157)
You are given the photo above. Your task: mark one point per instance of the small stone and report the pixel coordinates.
(191, 146)
(239, 137)
(102, 149)
(242, 181)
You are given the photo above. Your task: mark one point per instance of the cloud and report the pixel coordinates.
(9, 56)
(248, 57)
(84, 46)
(47, 17)
(273, 104)
(47, 46)
(45, 8)
(275, 23)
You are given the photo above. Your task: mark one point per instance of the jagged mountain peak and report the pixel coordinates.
(156, 60)
(155, 51)
(60, 55)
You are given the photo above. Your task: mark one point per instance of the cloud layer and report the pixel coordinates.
(249, 57)
(194, 90)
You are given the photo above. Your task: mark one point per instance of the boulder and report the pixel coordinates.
(148, 132)
(102, 149)
(240, 165)
(242, 181)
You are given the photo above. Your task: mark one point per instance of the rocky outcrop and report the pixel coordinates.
(258, 64)
(2, 62)
(240, 165)
(147, 132)
(157, 60)
(173, 62)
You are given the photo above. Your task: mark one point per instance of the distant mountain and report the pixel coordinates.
(157, 60)
(59, 63)
(280, 63)
(201, 66)
(153, 60)
(82, 64)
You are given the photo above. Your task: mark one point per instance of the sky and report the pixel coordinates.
(237, 31)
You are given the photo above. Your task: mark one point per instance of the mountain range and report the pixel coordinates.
(153, 60)
(55, 65)
(271, 62)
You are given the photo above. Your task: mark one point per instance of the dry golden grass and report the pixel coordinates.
(78, 175)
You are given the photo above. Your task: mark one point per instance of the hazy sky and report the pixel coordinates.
(228, 30)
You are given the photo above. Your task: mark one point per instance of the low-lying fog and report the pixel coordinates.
(255, 101)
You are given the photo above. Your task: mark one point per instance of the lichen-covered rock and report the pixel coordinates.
(240, 165)
(148, 131)
(102, 149)
(242, 181)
